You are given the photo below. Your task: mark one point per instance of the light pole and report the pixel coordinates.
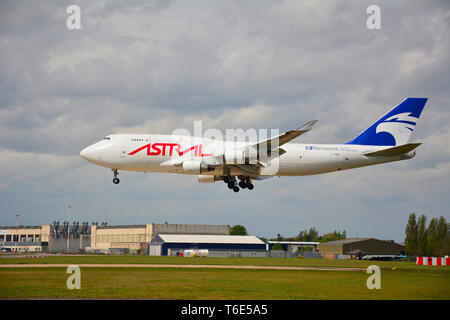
(17, 221)
(68, 230)
(17, 227)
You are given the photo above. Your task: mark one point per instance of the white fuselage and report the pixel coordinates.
(166, 153)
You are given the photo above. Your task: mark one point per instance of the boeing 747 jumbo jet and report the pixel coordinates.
(213, 160)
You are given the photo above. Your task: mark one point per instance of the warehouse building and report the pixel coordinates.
(291, 249)
(295, 246)
(174, 244)
(131, 238)
(358, 247)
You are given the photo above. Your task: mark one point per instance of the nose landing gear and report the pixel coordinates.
(115, 180)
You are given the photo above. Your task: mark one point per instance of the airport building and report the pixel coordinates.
(94, 238)
(357, 247)
(23, 238)
(295, 246)
(174, 239)
(45, 238)
(130, 238)
(217, 245)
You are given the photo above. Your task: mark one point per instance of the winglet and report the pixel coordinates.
(307, 126)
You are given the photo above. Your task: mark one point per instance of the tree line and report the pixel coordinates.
(423, 240)
(307, 235)
(312, 235)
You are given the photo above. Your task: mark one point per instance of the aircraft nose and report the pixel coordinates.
(89, 154)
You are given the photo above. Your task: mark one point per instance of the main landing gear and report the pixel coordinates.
(232, 183)
(115, 180)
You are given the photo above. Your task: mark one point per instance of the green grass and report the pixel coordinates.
(407, 281)
(219, 261)
(165, 283)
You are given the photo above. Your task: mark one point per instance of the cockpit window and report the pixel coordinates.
(106, 138)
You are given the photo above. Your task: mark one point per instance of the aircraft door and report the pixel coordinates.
(123, 152)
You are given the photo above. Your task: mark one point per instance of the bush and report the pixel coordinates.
(277, 246)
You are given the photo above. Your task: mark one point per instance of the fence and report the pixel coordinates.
(433, 261)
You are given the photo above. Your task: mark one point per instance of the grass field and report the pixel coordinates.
(99, 259)
(407, 281)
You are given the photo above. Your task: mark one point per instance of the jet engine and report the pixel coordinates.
(196, 167)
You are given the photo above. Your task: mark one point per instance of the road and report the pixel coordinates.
(188, 266)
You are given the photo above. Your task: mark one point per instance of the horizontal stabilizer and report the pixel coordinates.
(394, 150)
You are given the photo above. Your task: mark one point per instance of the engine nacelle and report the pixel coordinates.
(203, 178)
(196, 167)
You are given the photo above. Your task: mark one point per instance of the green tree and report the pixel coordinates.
(431, 244)
(422, 235)
(442, 245)
(307, 235)
(333, 236)
(277, 246)
(411, 244)
(313, 235)
(238, 230)
(433, 240)
(442, 228)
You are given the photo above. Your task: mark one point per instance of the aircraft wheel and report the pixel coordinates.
(236, 189)
(116, 180)
(242, 184)
(250, 186)
(231, 185)
(227, 179)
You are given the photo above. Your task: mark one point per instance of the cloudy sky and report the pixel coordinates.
(155, 66)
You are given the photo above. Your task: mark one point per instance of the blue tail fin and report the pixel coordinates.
(395, 128)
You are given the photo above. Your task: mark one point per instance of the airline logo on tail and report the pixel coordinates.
(399, 126)
(395, 128)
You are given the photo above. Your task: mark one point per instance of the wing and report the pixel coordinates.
(267, 150)
(277, 141)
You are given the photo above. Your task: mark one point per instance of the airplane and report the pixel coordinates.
(383, 257)
(213, 160)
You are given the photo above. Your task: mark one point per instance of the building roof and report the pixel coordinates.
(345, 241)
(294, 242)
(20, 227)
(129, 226)
(206, 238)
